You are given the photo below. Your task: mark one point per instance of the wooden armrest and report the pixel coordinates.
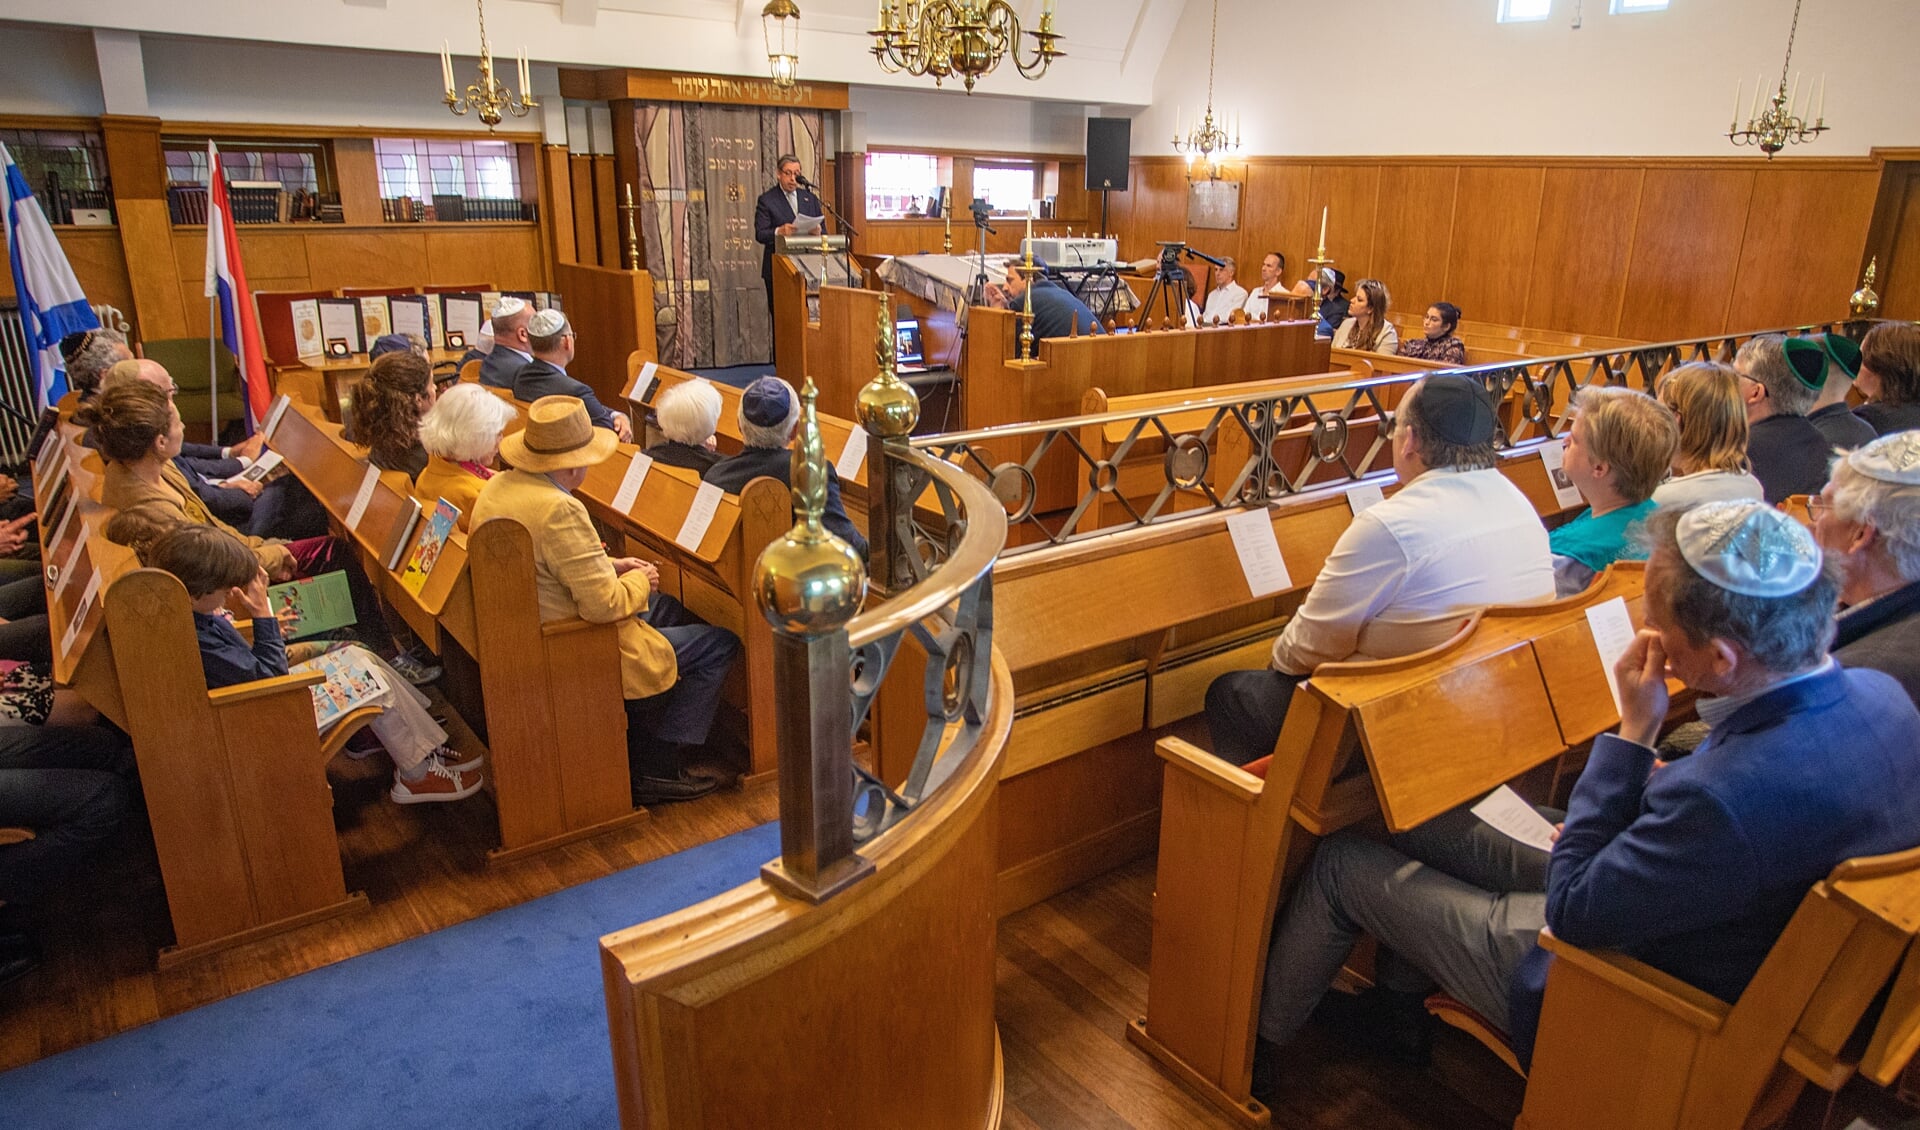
(567, 627)
(1824, 1070)
(337, 734)
(261, 688)
(15, 835)
(1638, 979)
(1190, 759)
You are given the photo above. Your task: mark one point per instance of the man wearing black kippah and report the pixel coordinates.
(1456, 537)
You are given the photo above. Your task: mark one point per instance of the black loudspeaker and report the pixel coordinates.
(1109, 148)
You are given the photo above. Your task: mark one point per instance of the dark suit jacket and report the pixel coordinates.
(500, 367)
(1889, 418)
(537, 378)
(772, 212)
(673, 453)
(1884, 634)
(736, 471)
(1842, 428)
(1789, 456)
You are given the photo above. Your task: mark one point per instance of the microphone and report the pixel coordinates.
(803, 182)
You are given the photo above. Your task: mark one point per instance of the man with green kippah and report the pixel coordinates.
(1788, 455)
(1832, 361)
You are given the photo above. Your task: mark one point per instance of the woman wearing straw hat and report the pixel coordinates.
(672, 663)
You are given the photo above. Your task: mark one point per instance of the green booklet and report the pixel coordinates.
(319, 604)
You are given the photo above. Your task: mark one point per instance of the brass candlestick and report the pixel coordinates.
(1865, 303)
(946, 211)
(1027, 271)
(633, 234)
(1319, 263)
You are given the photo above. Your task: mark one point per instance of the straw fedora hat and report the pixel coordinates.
(558, 435)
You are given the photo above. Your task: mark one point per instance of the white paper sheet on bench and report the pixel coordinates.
(80, 613)
(853, 455)
(278, 410)
(1260, 560)
(643, 383)
(1612, 633)
(1505, 812)
(1364, 496)
(706, 503)
(629, 492)
(1554, 457)
(361, 497)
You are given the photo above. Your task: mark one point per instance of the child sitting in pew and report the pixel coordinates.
(1616, 453)
(217, 569)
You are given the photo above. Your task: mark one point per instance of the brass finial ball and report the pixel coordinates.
(889, 407)
(809, 587)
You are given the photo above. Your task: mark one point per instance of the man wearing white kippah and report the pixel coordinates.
(1868, 520)
(552, 339)
(1693, 867)
(512, 346)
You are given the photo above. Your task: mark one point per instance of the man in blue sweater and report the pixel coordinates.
(1693, 867)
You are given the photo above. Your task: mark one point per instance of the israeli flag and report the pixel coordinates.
(51, 302)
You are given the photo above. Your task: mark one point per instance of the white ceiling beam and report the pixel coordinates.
(579, 13)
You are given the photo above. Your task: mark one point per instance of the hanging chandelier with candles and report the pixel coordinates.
(780, 28)
(1208, 141)
(1784, 120)
(944, 38)
(487, 97)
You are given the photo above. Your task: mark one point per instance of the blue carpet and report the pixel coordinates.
(739, 376)
(497, 1022)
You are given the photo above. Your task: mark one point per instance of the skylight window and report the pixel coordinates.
(1524, 11)
(1623, 7)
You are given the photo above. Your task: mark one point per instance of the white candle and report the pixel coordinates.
(1821, 113)
(526, 73)
(1759, 85)
(1739, 86)
(1028, 248)
(1323, 231)
(446, 65)
(1795, 95)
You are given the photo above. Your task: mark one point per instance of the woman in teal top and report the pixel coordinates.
(1616, 453)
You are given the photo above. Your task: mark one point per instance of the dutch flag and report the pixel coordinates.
(52, 304)
(227, 282)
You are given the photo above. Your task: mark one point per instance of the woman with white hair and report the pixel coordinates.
(687, 414)
(462, 436)
(1868, 520)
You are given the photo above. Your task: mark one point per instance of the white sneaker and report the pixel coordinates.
(440, 783)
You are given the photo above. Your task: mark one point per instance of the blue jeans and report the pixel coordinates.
(683, 714)
(68, 784)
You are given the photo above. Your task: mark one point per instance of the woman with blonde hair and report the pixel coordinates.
(1366, 326)
(461, 435)
(1710, 464)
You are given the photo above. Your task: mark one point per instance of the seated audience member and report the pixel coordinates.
(1456, 537)
(1788, 454)
(512, 346)
(138, 432)
(1226, 295)
(478, 350)
(1272, 282)
(687, 414)
(1366, 326)
(398, 343)
(1890, 377)
(461, 434)
(769, 412)
(1056, 312)
(672, 663)
(386, 407)
(1440, 342)
(217, 571)
(88, 355)
(1331, 283)
(1816, 763)
(1830, 362)
(546, 375)
(1710, 464)
(25, 635)
(1618, 450)
(1868, 520)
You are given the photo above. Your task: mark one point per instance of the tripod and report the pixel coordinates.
(977, 292)
(1170, 286)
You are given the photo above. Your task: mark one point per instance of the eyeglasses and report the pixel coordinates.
(1817, 506)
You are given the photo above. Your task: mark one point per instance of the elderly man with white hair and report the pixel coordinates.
(1868, 520)
(769, 411)
(687, 414)
(552, 338)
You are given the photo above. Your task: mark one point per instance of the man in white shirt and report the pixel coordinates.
(1226, 296)
(1272, 267)
(1456, 537)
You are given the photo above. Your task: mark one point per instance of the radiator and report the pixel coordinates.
(16, 387)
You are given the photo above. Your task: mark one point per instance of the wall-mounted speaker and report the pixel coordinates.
(1109, 149)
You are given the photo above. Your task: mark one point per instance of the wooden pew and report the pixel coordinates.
(1353, 746)
(545, 698)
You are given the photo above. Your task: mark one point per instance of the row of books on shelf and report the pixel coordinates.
(88, 207)
(455, 209)
(327, 328)
(256, 202)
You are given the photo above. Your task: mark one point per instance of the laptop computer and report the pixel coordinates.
(908, 356)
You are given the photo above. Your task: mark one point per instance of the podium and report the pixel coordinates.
(802, 264)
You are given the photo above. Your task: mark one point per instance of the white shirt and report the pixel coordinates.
(1223, 301)
(1408, 570)
(793, 202)
(1707, 486)
(1256, 303)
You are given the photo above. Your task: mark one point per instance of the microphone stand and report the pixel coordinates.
(845, 227)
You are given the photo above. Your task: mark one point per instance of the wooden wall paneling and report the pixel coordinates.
(1801, 248)
(1496, 220)
(586, 221)
(1686, 252)
(1898, 278)
(1272, 200)
(372, 258)
(1158, 209)
(509, 256)
(146, 236)
(1350, 194)
(98, 261)
(1073, 202)
(134, 159)
(556, 204)
(1587, 218)
(606, 209)
(1411, 232)
(357, 176)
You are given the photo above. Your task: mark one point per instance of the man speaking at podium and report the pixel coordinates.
(779, 208)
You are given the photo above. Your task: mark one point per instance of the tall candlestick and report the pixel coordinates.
(1029, 246)
(446, 65)
(1323, 230)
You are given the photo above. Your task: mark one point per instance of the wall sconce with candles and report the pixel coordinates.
(488, 97)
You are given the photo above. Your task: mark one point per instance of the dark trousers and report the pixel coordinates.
(314, 556)
(286, 509)
(68, 784)
(1245, 710)
(25, 635)
(681, 715)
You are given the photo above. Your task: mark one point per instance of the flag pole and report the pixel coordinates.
(213, 370)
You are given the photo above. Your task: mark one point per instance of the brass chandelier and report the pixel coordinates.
(1785, 119)
(1207, 141)
(968, 38)
(488, 96)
